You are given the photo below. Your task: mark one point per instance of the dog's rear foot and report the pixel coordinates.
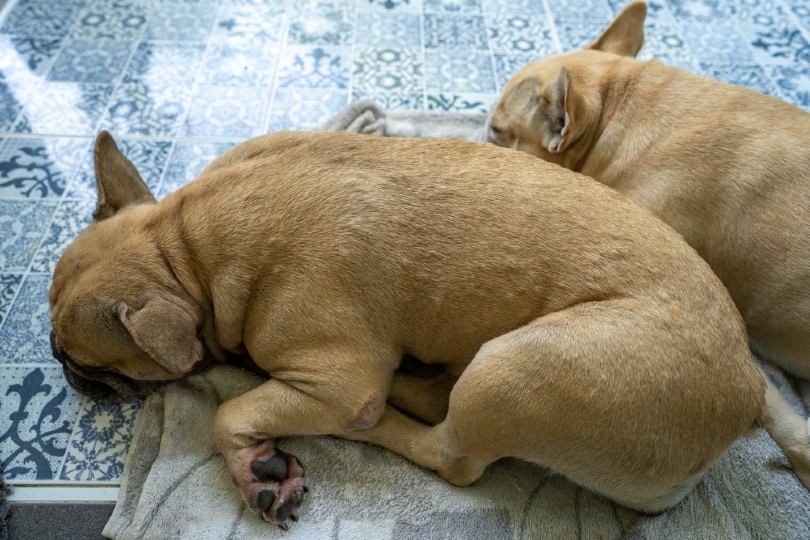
(274, 485)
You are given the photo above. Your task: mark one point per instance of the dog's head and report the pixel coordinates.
(120, 319)
(551, 107)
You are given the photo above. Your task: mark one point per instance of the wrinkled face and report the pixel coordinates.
(531, 115)
(99, 383)
(548, 107)
(121, 322)
(87, 336)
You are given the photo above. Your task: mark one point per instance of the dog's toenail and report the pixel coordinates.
(283, 527)
(306, 489)
(293, 517)
(265, 499)
(284, 510)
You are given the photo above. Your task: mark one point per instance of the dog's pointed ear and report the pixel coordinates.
(166, 330)
(560, 113)
(625, 35)
(119, 184)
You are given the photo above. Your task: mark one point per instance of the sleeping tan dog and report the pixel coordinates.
(727, 167)
(578, 332)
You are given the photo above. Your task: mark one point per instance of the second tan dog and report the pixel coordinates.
(727, 167)
(578, 331)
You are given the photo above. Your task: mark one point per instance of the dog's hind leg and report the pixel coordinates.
(789, 430)
(606, 393)
(426, 398)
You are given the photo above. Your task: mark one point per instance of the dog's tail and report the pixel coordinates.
(788, 429)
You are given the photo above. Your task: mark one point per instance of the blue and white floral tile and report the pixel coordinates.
(523, 7)
(718, 42)
(598, 11)
(801, 11)
(149, 108)
(507, 65)
(304, 108)
(9, 284)
(149, 157)
(91, 61)
(577, 33)
(187, 161)
(412, 6)
(319, 22)
(22, 225)
(663, 40)
(227, 64)
(42, 18)
(100, 441)
(515, 33)
(750, 75)
(452, 6)
(701, 11)
(311, 67)
(792, 83)
(24, 336)
(658, 11)
(455, 31)
(38, 167)
(459, 70)
(181, 22)
(472, 103)
(65, 108)
(10, 107)
(226, 111)
(250, 25)
(392, 77)
(165, 64)
(112, 19)
(37, 416)
(773, 34)
(71, 217)
(398, 30)
(26, 57)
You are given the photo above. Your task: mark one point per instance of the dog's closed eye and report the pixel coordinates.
(495, 133)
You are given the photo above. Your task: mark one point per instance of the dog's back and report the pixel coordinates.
(472, 242)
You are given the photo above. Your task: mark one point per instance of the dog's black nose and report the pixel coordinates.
(58, 353)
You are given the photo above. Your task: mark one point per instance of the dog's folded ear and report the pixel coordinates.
(118, 181)
(625, 35)
(166, 330)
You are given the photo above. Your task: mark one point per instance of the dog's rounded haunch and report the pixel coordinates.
(724, 165)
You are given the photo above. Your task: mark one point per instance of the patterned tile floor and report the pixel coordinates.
(179, 82)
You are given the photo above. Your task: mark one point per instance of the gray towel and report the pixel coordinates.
(367, 117)
(176, 485)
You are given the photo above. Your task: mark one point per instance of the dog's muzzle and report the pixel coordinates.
(104, 385)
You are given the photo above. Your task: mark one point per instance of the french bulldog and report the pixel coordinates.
(575, 329)
(725, 166)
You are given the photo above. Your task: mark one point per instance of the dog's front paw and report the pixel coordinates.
(274, 487)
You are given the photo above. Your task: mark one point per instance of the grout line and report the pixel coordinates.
(423, 57)
(264, 127)
(352, 53)
(552, 25)
(63, 493)
(805, 32)
(79, 413)
(5, 10)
